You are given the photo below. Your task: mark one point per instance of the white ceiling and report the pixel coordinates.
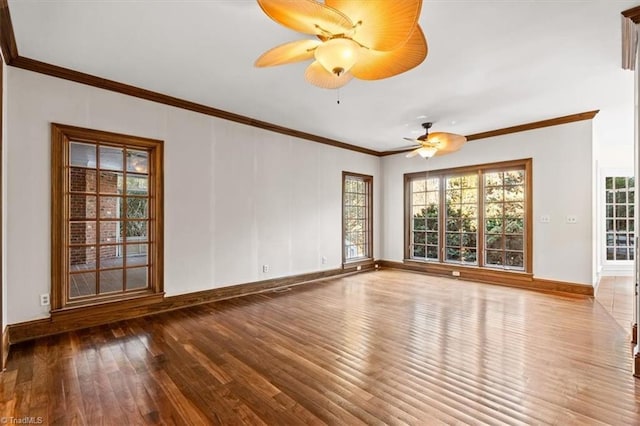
(491, 64)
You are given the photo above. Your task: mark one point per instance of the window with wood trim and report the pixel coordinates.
(357, 209)
(474, 216)
(619, 218)
(504, 218)
(461, 218)
(425, 225)
(107, 217)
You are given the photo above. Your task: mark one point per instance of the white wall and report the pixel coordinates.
(562, 177)
(236, 197)
(613, 136)
(613, 151)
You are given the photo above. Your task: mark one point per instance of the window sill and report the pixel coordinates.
(99, 308)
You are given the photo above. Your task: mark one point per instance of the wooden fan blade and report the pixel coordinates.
(287, 53)
(446, 142)
(375, 64)
(318, 76)
(307, 16)
(386, 25)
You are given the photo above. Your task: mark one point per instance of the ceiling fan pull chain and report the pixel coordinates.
(338, 101)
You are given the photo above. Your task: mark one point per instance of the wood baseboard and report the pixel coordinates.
(76, 319)
(488, 276)
(365, 265)
(5, 347)
(562, 287)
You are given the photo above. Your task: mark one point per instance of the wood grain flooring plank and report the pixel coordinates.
(187, 412)
(345, 389)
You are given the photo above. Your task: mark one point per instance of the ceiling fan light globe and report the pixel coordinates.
(427, 152)
(337, 55)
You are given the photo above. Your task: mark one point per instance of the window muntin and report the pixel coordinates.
(619, 218)
(356, 216)
(480, 216)
(107, 202)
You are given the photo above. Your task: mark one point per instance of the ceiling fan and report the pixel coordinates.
(369, 40)
(436, 143)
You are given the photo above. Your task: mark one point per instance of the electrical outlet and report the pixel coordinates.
(455, 273)
(265, 268)
(572, 219)
(44, 300)
(324, 260)
(545, 218)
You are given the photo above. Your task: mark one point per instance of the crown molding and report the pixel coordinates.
(126, 89)
(588, 115)
(633, 14)
(7, 37)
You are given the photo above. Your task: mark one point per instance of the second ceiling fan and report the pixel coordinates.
(436, 143)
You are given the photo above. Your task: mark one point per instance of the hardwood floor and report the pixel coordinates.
(616, 295)
(382, 347)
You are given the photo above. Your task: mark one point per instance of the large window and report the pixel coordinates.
(619, 217)
(107, 211)
(475, 216)
(357, 216)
